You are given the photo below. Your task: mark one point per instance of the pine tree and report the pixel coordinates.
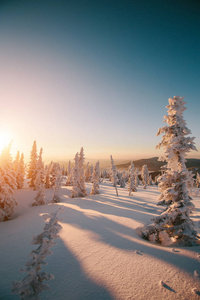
(81, 179)
(53, 171)
(75, 172)
(131, 182)
(174, 222)
(122, 179)
(32, 285)
(95, 180)
(47, 176)
(88, 173)
(40, 182)
(69, 181)
(145, 176)
(21, 173)
(32, 172)
(19, 168)
(136, 177)
(7, 185)
(113, 170)
(56, 188)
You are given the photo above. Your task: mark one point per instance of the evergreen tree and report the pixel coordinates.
(32, 172)
(7, 185)
(113, 170)
(136, 177)
(21, 173)
(175, 221)
(88, 173)
(131, 182)
(47, 176)
(56, 188)
(81, 179)
(95, 180)
(145, 176)
(122, 179)
(69, 181)
(40, 182)
(32, 285)
(75, 187)
(54, 169)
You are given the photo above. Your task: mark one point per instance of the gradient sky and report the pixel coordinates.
(97, 74)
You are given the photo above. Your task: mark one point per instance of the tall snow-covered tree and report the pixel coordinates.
(136, 177)
(75, 172)
(88, 173)
(20, 173)
(7, 185)
(131, 182)
(81, 179)
(32, 284)
(56, 188)
(113, 170)
(69, 181)
(174, 223)
(54, 169)
(40, 182)
(122, 179)
(19, 168)
(95, 180)
(32, 171)
(47, 176)
(145, 176)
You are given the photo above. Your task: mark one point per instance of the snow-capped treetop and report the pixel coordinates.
(174, 140)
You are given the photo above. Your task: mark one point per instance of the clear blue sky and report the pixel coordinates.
(97, 74)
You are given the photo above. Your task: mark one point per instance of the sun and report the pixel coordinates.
(5, 139)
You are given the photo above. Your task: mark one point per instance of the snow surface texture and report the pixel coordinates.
(99, 254)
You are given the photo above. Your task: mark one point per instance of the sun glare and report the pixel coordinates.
(5, 139)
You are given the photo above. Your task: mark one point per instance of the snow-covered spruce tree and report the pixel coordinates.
(113, 174)
(122, 179)
(145, 176)
(53, 171)
(21, 173)
(32, 171)
(131, 182)
(7, 185)
(75, 172)
(56, 188)
(95, 180)
(81, 179)
(47, 176)
(69, 181)
(32, 285)
(88, 173)
(136, 177)
(174, 222)
(40, 182)
(19, 168)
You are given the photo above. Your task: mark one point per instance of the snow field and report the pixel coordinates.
(99, 254)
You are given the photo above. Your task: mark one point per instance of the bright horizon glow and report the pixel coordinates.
(97, 75)
(5, 139)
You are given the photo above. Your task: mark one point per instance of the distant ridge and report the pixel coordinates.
(154, 165)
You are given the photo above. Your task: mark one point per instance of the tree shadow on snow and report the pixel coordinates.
(70, 282)
(125, 238)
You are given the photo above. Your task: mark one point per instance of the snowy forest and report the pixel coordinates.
(113, 233)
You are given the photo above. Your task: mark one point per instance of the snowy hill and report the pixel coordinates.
(155, 165)
(99, 254)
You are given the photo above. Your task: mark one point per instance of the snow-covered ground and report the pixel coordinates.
(99, 254)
